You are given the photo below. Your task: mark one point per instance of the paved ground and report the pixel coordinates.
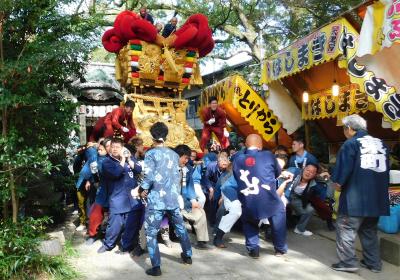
(308, 258)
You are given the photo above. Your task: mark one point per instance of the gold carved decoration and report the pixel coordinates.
(151, 109)
(141, 64)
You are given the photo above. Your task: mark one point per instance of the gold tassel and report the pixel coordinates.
(170, 60)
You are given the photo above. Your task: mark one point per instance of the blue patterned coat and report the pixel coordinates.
(162, 178)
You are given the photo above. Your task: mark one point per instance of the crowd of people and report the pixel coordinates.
(126, 193)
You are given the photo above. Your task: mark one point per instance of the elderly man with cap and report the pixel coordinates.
(362, 175)
(256, 171)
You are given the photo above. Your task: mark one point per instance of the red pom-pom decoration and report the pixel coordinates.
(111, 41)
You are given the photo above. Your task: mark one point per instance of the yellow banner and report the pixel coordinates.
(342, 40)
(324, 105)
(318, 47)
(383, 96)
(234, 91)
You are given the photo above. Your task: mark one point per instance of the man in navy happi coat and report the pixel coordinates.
(255, 172)
(118, 170)
(362, 175)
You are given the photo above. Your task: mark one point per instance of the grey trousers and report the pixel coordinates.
(347, 229)
(198, 217)
(305, 213)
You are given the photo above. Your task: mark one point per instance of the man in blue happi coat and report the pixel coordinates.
(85, 193)
(119, 169)
(362, 175)
(191, 208)
(215, 170)
(299, 160)
(162, 183)
(256, 171)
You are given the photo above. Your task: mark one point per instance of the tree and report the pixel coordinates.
(42, 46)
(245, 26)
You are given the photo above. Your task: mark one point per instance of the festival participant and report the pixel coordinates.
(191, 208)
(255, 172)
(301, 157)
(120, 119)
(193, 161)
(144, 14)
(214, 118)
(161, 182)
(170, 27)
(215, 170)
(85, 193)
(231, 208)
(362, 175)
(159, 26)
(304, 198)
(119, 168)
(101, 202)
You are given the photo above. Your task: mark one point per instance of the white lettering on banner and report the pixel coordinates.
(373, 154)
(252, 188)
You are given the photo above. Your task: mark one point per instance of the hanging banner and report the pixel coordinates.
(234, 91)
(318, 47)
(342, 40)
(383, 96)
(380, 28)
(325, 105)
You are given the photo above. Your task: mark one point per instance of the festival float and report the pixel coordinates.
(155, 70)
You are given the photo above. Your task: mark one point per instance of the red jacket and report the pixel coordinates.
(118, 118)
(219, 115)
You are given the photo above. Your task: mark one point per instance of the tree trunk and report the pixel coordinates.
(5, 210)
(92, 7)
(14, 200)
(1, 40)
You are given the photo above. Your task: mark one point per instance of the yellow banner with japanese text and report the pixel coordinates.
(234, 91)
(325, 105)
(343, 42)
(383, 96)
(318, 47)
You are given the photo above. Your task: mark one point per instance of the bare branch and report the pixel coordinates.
(225, 19)
(232, 30)
(79, 6)
(226, 57)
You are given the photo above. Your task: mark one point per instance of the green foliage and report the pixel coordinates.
(45, 46)
(19, 254)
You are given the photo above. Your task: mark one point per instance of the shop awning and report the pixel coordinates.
(337, 41)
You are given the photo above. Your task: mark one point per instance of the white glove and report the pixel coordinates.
(138, 131)
(180, 202)
(93, 167)
(124, 129)
(201, 198)
(135, 193)
(226, 133)
(211, 121)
